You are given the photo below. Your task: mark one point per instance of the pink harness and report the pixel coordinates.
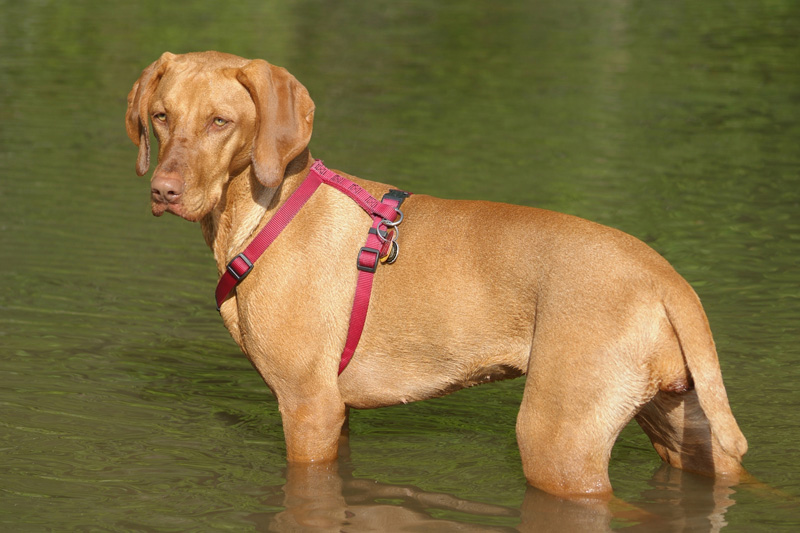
(381, 245)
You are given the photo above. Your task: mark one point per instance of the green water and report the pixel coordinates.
(125, 405)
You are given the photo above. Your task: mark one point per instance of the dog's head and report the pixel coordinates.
(214, 115)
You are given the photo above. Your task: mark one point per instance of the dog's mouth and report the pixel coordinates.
(175, 208)
(159, 208)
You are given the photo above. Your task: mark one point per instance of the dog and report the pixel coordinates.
(602, 326)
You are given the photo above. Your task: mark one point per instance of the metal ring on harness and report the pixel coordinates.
(396, 222)
(382, 234)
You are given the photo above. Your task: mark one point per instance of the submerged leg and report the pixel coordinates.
(312, 426)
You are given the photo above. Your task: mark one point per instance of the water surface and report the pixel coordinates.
(125, 405)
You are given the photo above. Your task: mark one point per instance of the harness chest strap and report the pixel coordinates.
(385, 216)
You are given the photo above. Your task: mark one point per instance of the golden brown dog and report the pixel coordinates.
(601, 324)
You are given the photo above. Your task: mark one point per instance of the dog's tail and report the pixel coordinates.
(689, 321)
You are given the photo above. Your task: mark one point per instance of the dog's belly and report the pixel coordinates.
(372, 384)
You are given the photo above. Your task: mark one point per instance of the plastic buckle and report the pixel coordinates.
(396, 195)
(367, 268)
(232, 269)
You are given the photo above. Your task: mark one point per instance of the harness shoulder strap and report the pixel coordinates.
(241, 265)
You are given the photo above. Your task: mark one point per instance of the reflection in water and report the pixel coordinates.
(329, 498)
(685, 501)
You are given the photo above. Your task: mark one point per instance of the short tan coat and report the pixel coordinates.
(602, 326)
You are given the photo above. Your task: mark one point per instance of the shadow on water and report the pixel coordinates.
(330, 497)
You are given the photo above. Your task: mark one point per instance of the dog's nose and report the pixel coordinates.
(166, 188)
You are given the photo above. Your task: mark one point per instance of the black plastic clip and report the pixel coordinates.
(366, 267)
(232, 269)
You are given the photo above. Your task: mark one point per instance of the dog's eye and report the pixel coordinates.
(220, 121)
(161, 117)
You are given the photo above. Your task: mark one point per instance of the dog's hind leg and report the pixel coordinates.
(589, 373)
(574, 406)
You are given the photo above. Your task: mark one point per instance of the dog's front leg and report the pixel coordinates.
(312, 422)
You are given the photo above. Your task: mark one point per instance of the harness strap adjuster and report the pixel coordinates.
(235, 268)
(372, 266)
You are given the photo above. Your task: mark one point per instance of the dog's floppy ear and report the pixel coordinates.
(136, 117)
(284, 118)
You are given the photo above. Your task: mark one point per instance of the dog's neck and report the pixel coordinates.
(246, 206)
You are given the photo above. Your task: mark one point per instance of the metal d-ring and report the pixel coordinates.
(396, 222)
(395, 233)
